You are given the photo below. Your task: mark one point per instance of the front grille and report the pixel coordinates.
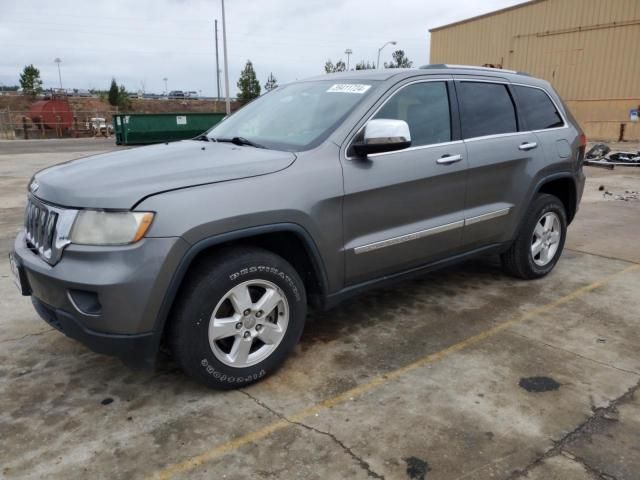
(40, 227)
(47, 228)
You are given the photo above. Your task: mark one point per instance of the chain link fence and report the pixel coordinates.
(18, 124)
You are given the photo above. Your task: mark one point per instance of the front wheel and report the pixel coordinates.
(238, 316)
(539, 244)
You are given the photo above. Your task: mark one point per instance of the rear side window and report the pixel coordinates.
(485, 109)
(425, 107)
(537, 109)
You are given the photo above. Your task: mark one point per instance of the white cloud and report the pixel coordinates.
(140, 42)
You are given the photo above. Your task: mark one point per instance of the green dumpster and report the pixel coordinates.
(140, 128)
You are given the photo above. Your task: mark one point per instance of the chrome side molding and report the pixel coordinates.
(369, 247)
(487, 216)
(408, 237)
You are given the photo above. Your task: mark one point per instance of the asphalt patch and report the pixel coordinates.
(417, 468)
(539, 384)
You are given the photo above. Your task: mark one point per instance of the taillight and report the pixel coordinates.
(581, 148)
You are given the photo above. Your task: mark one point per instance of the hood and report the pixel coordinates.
(122, 178)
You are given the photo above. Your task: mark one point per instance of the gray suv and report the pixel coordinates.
(213, 248)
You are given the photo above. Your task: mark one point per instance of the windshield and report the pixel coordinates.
(293, 117)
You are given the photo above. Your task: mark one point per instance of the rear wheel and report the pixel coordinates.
(539, 244)
(238, 317)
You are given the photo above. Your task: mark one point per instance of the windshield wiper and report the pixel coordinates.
(240, 141)
(203, 138)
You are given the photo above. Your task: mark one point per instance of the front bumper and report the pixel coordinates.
(108, 298)
(135, 350)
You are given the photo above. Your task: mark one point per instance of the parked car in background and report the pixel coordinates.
(214, 247)
(176, 95)
(98, 126)
(81, 92)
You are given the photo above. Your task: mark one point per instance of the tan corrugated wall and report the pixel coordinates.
(588, 49)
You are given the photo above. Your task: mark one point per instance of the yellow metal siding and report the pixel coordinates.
(588, 49)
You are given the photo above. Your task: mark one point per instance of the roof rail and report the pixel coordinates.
(469, 67)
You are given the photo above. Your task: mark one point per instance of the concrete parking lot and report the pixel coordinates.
(463, 374)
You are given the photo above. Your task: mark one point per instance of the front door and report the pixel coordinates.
(405, 208)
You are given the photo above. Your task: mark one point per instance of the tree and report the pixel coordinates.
(114, 93)
(362, 65)
(123, 98)
(30, 80)
(271, 83)
(248, 85)
(400, 61)
(329, 67)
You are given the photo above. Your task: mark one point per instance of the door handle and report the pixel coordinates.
(528, 146)
(448, 159)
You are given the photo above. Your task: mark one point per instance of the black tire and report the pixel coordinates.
(518, 260)
(206, 286)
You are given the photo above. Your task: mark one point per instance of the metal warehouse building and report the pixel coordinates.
(588, 49)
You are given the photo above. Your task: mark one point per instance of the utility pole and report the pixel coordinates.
(226, 65)
(348, 53)
(166, 90)
(217, 62)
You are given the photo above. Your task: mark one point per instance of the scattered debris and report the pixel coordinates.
(612, 415)
(625, 157)
(599, 150)
(539, 384)
(107, 401)
(597, 157)
(628, 195)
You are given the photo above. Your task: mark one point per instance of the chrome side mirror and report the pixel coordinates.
(383, 135)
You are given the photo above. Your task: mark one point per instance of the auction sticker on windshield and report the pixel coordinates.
(349, 88)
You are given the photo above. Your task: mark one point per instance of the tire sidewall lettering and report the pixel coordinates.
(270, 270)
(231, 379)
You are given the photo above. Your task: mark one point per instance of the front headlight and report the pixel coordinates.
(95, 227)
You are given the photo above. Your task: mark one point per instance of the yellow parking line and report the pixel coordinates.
(251, 437)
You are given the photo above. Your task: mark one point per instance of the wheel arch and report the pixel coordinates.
(563, 187)
(289, 240)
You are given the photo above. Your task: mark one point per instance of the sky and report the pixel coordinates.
(140, 42)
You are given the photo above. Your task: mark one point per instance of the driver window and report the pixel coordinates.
(425, 107)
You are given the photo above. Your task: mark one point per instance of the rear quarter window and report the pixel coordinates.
(537, 109)
(485, 109)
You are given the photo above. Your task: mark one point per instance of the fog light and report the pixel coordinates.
(87, 303)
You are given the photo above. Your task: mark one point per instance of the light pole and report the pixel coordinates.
(392, 42)
(226, 66)
(58, 61)
(348, 53)
(166, 90)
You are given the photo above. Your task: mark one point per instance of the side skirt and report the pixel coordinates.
(334, 299)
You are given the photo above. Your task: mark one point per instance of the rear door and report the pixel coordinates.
(541, 115)
(405, 208)
(500, 154)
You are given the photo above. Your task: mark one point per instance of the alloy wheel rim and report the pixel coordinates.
(546, 239)
(248, 323)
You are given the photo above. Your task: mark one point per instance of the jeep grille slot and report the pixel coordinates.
(42, 232)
